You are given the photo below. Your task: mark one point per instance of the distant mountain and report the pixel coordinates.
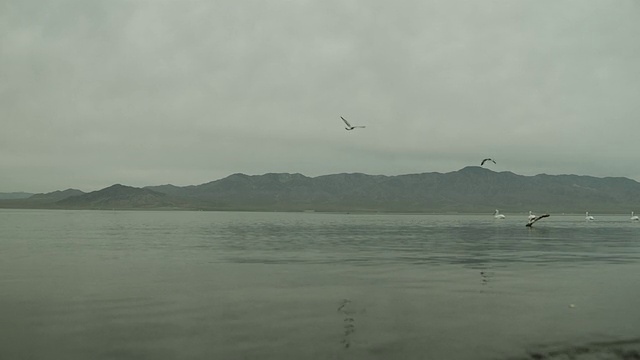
(56, 195)
(14, 195)
(471, 189)
(117, 197)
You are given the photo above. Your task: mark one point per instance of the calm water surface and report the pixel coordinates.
(224, 285)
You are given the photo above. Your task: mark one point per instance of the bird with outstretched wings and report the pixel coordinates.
(531, 221)
(485, 160)
(349, 126)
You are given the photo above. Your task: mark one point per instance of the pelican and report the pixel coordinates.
(536, 218)
(588, 218)
(497, 215)
(531, 216)
(485, 160)
(634, 217)
(349, 126)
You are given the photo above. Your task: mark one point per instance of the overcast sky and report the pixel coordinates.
(140, 93)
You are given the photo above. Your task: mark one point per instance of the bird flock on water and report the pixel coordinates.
(531, 219)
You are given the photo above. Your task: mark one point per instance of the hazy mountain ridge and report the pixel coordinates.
(118, 197)
(57, 195)
(471, 189)
(14, 195)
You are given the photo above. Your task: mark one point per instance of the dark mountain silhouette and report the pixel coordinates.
(117, 197)
(14, 195)
(43, 200)
(471, 189)
(56, 195)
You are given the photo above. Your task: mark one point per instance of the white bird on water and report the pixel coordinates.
(588, 218)
(531, 216)
(634, 217)
(349, 126)
(497, 215)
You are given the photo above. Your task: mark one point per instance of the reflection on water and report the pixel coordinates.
(193, 285)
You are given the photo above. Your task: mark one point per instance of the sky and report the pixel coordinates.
(183, 92)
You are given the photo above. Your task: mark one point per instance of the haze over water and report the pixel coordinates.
(230, 285)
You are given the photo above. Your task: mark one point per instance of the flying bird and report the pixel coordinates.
(531, 221)
(349, 126)
(485, 160)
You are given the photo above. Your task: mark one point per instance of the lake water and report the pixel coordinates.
(232, 285)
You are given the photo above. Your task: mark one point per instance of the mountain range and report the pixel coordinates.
(472, 189)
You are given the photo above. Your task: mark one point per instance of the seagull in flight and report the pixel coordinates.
(349, 126)
(485, 160)
(531, 221)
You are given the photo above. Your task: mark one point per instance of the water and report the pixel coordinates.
(225, 285)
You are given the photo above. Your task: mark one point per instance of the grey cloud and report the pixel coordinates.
(147, 92)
